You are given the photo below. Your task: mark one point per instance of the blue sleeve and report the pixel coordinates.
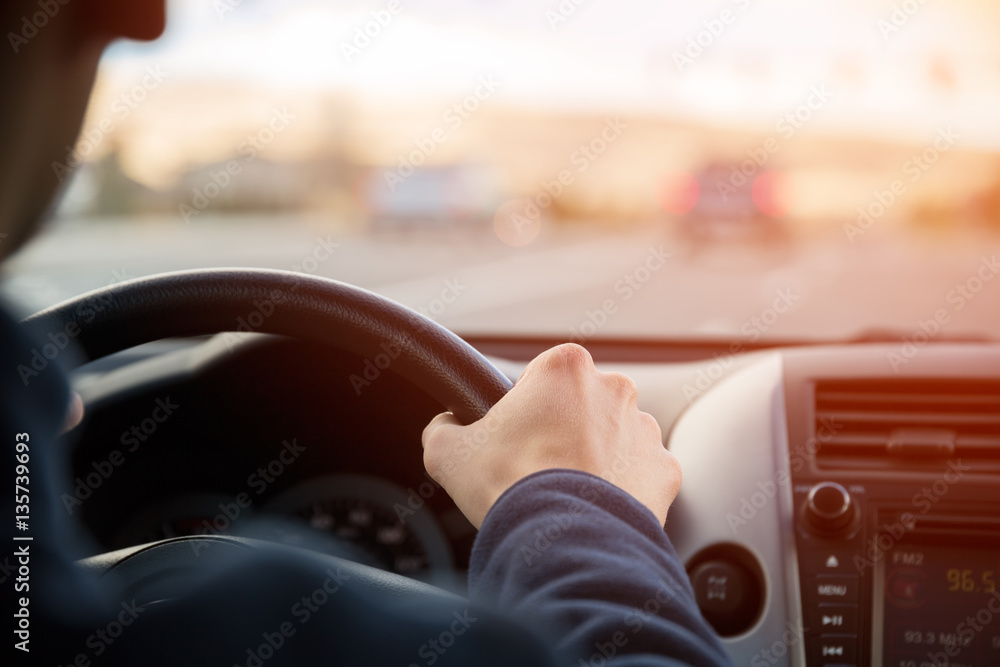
(591, 565)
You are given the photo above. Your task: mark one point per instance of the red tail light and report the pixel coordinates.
(680, 193)
(767, 194)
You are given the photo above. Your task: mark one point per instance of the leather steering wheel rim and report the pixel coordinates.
(205, 302)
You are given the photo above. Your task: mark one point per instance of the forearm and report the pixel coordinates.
(576, 553)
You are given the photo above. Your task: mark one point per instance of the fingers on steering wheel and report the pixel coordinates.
(443, 419)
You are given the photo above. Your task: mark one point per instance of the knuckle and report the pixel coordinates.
(673, 467)
(437, 444)
(623, 385)
(436, 429)
(569, 356)
(649, 422)
(431, 437)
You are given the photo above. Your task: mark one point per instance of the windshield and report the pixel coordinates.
(738, 171)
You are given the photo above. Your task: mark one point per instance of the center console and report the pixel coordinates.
(896, 496)
(860, 506)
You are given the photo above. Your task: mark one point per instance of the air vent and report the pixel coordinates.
(904, 424)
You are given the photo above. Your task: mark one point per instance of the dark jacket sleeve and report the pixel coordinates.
(586, 561)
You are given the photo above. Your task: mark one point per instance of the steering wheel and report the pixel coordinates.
(204, 302)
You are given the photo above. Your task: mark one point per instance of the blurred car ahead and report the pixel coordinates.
(722, 203)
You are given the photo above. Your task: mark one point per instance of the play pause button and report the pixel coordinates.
(834, 619)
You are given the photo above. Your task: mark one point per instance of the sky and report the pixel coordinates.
(938, 65)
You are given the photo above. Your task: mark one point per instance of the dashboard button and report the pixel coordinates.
(833, 649)
(822, 559)
(832, 588)
(829, 510)
(718, 587)
(728, 587)
(827, 618)
(727, 595)
(907, 588)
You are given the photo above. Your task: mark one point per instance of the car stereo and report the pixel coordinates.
(896, 510)
(886, 583)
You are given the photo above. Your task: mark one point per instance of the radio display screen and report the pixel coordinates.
(938, 600)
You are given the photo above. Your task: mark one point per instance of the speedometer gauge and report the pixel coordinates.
(379, 533)
(372, 523)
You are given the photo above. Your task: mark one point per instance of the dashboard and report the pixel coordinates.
(265, 439)
(866, 499)
(838, 507)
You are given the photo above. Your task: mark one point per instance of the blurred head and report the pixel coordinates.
(47, 65)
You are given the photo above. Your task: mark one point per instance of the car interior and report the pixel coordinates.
(297, 231)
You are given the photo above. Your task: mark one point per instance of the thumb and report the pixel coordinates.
(442, 420)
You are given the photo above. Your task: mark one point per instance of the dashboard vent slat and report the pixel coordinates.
(924, 418)
(885, 424)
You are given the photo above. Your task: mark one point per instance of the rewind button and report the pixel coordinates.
(828, 649)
